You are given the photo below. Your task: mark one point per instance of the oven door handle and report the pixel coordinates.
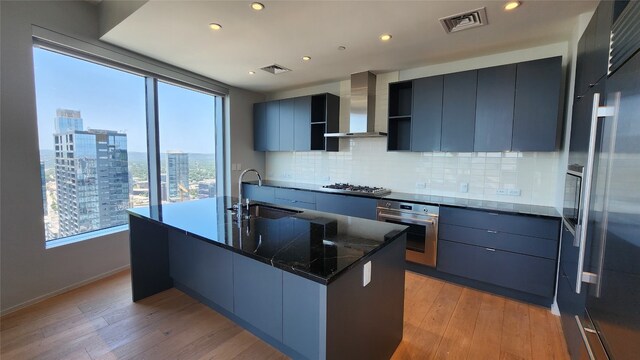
(382, 215)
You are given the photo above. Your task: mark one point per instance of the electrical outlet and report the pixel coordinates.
(514, 192)
(421, 185)
(464, 187)
(501, 192)
(234, 167)
(366, 274)
(238, 166)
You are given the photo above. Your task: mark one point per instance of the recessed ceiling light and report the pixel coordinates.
(512, 5)
(385, 37)
(215, 26)
(257, 6)
(306, 58)
(252, 72)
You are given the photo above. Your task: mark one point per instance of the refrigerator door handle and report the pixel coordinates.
(583, 216)
(596, 278)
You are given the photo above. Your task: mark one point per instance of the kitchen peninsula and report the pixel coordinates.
(314, 285)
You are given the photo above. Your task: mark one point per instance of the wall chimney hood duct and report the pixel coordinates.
(363, 107)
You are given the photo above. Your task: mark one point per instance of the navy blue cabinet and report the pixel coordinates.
(273, 126)
(513, 251)
(296, 124)
(459, 111)
(257, 295)
(426, 115)
(260, 127)
(202, 267)
(535, 117)
(357, 206)
(302, 123)
(501, 108)
(287, 121)
(258, 193)
(494, 108)
(296, 198)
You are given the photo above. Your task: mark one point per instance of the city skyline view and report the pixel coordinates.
(93, 143)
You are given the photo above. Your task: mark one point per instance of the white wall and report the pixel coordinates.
(28, 271)
(366, 161)
(241, 137)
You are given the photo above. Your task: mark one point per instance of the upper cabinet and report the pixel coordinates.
(459, 111)
(296, 124)
(494, 108)
(502, 108)
(593, 49)
(535, 118)
(426, 122)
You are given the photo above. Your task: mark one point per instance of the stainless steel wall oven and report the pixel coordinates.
(422, 220)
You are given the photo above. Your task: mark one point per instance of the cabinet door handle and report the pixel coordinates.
(492, 231)
(490, 249)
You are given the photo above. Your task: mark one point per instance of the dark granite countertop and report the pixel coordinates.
(494, 206)
(316, 245)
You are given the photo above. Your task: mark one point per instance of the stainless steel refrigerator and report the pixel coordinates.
(611, 255)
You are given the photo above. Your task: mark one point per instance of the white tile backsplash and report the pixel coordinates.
(365, 161)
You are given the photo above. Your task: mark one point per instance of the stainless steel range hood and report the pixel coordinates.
(363, 107)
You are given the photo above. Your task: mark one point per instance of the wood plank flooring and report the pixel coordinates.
(99, 321)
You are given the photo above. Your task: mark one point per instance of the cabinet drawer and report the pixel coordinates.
(348, 205)
(500, 240)
(515, 271)
(258, 193)
(515, 224)
(296, 198)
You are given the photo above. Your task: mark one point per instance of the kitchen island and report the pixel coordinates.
(314, 285)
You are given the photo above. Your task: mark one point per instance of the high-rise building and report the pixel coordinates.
(92, 176)
(207, 189)
(43, 181)
(177, 176)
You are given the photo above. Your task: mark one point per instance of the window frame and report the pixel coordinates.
(153, 72)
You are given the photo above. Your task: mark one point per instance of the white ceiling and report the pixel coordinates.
(177, 32)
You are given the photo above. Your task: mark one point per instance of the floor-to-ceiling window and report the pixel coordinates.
(93, 127)
(187, 146)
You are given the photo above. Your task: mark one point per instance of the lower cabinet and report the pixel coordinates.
(358, 206)
(517, 252)
(257, 295)
(348, 205)
(202, 267)
(515, 271)
(258, 193)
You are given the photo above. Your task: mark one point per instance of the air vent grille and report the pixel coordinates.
(465, 20)
(275, 69)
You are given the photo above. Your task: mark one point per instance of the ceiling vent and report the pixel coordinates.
(275, 69)
(465, 20)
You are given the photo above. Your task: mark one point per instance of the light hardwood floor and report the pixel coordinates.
(99, 321)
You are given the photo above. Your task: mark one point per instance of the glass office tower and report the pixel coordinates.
(177, 176)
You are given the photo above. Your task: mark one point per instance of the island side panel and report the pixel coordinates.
(202, 268)
(366, 322)
(304, 306)
(149, 251)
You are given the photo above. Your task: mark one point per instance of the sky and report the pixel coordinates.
(111, 99)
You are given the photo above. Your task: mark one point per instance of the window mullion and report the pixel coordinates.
(153, 141)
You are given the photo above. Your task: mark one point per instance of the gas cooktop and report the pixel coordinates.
(356, 189)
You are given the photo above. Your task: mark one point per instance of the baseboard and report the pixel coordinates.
(63, 290)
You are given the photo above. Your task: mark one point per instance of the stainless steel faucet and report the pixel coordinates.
(239, 210)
